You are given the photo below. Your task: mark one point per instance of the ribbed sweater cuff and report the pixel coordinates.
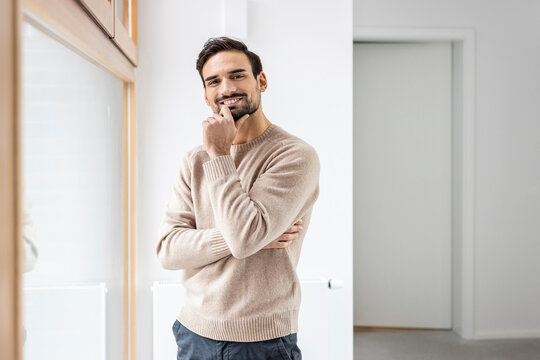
(218, 167)
(218, 245)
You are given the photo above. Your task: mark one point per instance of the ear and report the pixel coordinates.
(263, 82)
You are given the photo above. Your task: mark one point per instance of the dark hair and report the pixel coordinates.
(215, 45)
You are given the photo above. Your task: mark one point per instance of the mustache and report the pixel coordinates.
(229, 97)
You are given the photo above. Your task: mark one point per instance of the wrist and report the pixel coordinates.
(214, 155)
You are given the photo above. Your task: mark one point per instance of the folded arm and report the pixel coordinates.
(181, 245)
(278, 198)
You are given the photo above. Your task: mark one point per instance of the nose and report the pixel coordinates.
(227, 87)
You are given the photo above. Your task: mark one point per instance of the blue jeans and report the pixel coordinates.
(192, 346)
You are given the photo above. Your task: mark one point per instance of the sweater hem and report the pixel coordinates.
(251, 329)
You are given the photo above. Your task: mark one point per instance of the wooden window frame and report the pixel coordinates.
(123, 32)
(68, 23)
(103, 12)
(10, 180)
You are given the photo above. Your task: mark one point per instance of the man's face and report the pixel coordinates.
(229, 82)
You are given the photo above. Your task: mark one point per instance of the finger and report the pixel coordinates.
(210, 120)
(225, 112)
(215, 117)
(294, 229)
(299, 221)
(288, 236)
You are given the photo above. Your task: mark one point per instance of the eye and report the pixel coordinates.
(212, 82)
(238, 76)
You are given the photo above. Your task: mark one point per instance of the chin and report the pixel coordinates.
(237, 117)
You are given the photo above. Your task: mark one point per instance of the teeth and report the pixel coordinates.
(227, 102)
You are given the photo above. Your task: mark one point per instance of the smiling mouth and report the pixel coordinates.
(229, 102)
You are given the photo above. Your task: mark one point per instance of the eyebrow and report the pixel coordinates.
(230, 72)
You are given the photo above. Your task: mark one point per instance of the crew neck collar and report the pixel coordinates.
(259, 139)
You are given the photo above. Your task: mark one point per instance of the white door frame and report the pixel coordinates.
(463, 42)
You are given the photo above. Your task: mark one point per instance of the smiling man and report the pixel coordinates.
(235, 223)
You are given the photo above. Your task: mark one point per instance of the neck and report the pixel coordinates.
(252, 128)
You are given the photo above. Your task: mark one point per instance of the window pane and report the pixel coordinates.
(73, 209)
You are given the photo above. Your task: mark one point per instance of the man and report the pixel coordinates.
(235, 223)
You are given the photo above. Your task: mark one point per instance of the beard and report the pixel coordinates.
(249, 107)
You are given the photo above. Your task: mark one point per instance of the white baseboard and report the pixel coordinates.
(509, 334)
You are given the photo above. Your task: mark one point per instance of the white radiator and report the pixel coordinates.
(167, 302)
(314, 320)
(65, 322)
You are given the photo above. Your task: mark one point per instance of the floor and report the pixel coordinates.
(439, 345)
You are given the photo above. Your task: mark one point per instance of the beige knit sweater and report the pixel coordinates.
(221, 215)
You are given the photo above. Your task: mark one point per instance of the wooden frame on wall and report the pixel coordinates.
(10, 180)
(67, 22)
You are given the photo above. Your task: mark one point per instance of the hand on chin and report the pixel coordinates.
(219, 131)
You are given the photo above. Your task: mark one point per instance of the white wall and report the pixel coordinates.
(306, 50)
(507, 246)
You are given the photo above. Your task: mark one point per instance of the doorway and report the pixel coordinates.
(402, 162)
(414, 179)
